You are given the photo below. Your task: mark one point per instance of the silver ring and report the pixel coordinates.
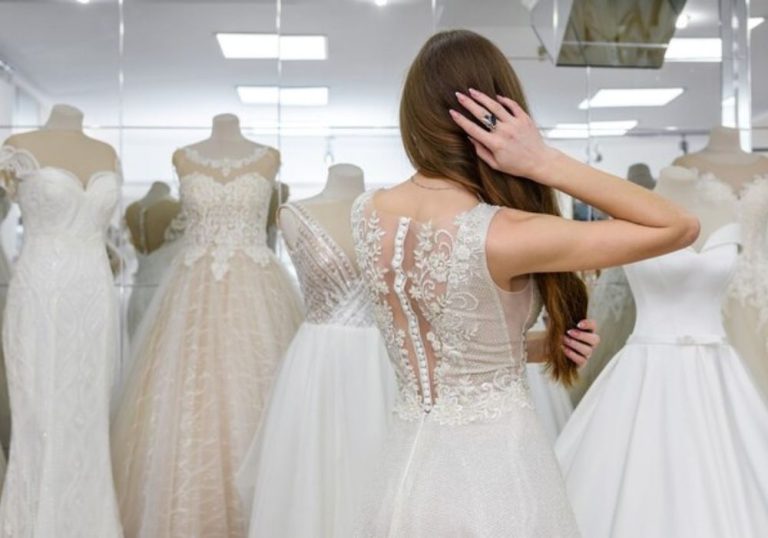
(490, 121)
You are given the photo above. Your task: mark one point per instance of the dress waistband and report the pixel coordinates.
(678, 339)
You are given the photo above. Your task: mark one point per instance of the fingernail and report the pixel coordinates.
(459, 96)
(452, 112)
(581, 325)
(572, 332)
(473, 91)
(499, 96)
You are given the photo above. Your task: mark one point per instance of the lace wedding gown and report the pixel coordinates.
(203, 362)
(672, 438)
(467, 455)
(331, 403)
(60, 342)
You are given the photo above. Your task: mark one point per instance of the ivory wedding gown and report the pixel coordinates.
(204, 360)
(60, 342)
(331, 403)
(671, 440)
(467, 455)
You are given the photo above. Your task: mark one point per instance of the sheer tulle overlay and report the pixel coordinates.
(467, 456)
(324, 426)
(192, 403)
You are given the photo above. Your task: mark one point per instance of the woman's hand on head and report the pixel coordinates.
(514, 146)
(580, 343)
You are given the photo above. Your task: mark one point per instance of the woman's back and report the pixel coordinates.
(457, 340)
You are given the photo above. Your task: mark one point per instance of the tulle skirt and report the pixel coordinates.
(670, 441)
(494, 479)
(202, 368)
(325, 423)
(551, 400)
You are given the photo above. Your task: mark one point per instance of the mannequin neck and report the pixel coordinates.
(226, 129)
(157, 191)
(65, 118)
(344, 181)
(724, 140)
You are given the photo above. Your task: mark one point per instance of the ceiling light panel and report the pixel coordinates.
(272, 95)
(694, 49)
(241, 46)
(631, 97)
(595, 128)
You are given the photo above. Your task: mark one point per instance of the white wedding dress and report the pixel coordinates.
(331, 403)
(203, 361)
(671, 440)
(60, 342)
(467, 455)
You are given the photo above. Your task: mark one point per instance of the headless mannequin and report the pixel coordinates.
(681, 186)
(724, 158)
(62, 144)
(157, 209)
(226, 142)
(331, 208)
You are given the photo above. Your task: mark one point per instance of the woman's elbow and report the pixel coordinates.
(687, 230)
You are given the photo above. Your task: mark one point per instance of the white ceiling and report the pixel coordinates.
(174, 74)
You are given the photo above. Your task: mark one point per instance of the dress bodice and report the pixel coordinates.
(456, 340)
(56, 205)
(333, 288)
(679, 296)
(224, 218)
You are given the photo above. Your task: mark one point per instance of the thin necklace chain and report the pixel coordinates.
(448, 188)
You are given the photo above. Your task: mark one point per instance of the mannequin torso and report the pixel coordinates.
(714, 210)
(331, 208)
(148, 219)
(724, 158)
(62, 144)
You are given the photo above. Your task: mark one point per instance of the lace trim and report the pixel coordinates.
(175, 229)
(226, 165)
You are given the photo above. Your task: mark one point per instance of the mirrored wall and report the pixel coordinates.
(319, 80)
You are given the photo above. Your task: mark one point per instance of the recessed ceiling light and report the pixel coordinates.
(694, 49)
(631, 97)
(595, 128)
(83, 1)
(272, 95)
(754, 22)
(380, 3)
(271, 46)
(682, 21)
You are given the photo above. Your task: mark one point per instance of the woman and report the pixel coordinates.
(458, 261)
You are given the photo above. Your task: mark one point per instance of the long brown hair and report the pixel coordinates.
(456, 61)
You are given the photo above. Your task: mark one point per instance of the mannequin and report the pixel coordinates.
(724, 158)
(332, 207)
(149, 218)
(228, 145)
(63, 144)
(746, 174)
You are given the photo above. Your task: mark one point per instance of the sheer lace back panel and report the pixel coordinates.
(334, 291)
(225, 217)
(457, 341)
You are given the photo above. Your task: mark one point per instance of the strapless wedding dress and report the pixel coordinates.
(60, 342)
(331, 404)
(671, 440)
(203, 363)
